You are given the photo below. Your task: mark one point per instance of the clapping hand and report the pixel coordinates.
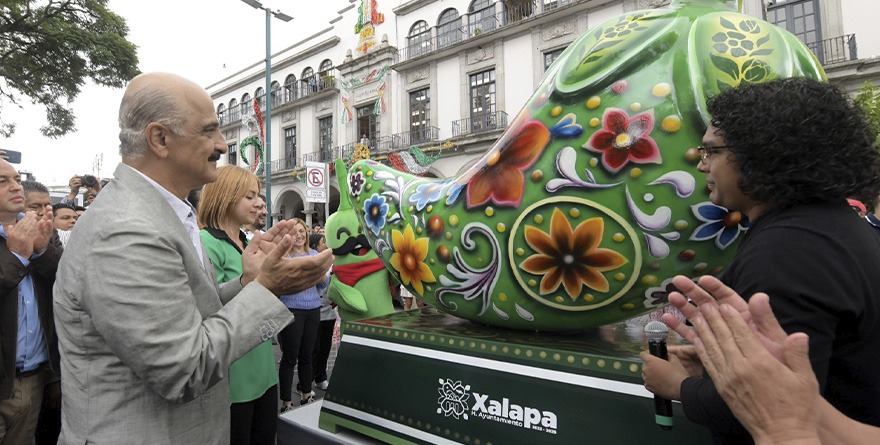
(712, 292)
(31, 234)
(763, 374)
(265, 261)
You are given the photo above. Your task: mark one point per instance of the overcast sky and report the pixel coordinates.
(193, 38)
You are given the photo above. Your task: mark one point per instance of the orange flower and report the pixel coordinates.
(500, 176)
(409, 259)
(572, 258)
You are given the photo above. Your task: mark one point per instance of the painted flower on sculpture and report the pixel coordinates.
(718, 223)
(623, 139)
(409, 259)
(356, 184)
(500, 177)
(427, 193)
(375, 211)
(571, 258)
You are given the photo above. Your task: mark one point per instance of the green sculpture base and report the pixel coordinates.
(426, 377)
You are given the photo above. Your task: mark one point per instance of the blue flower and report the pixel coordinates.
(375, 211)
(567, 127)
(427, 193)
(452, 193)
(719, 223)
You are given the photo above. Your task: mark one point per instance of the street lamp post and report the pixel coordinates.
(267, 160)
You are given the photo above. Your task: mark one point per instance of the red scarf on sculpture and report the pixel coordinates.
(350, 274)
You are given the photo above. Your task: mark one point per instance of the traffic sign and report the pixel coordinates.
(316, 182)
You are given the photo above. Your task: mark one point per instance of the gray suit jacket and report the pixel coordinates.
(145, 334)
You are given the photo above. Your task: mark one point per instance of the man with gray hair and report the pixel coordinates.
(146, 334)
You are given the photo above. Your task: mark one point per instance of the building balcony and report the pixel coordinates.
(479, 123)
(285, 164)
(835, 50)
(473, 25)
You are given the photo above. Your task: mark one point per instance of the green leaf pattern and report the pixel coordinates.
(738, 45)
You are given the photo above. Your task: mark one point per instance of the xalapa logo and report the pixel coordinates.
(454, 402)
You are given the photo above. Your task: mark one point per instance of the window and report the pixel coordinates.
(326, 66)
(260, 97)
(327, 78)
(481, 17)
(325, 136)
(246, 107)
(290, 147)
(310, 84)
(801, 18)
(276, 94)
(232, 154)
(516, 10)
(448, 28)
(419, 116)
(482, 100)
(419, 40)
(368, 127)
(550, 57)
(221, 114)
(290, 88)
(234, 111)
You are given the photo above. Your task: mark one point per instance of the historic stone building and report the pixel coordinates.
(447, 77)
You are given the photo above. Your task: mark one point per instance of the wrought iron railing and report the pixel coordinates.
(479, 122)
(836, 49)
(519, 10)
(475, 24)
(415, 137)
(286, 163)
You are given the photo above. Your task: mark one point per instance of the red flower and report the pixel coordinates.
(622, 139)
(498, 176)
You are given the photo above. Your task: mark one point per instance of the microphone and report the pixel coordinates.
(657, 332)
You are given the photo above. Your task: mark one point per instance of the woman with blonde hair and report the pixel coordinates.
(226, 205)
(297, 340)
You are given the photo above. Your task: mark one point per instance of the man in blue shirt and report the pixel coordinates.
(29, 255)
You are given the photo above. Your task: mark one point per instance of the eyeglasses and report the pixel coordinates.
(707, 152)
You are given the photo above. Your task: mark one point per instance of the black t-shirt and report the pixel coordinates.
(820, 264)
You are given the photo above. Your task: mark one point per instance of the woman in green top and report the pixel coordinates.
(226, 205)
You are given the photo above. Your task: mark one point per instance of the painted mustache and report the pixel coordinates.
(358, 243)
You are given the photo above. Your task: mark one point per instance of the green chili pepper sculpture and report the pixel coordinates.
(360, 284)
(590, 202)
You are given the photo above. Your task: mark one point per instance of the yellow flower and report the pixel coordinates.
(409, 259)
(571, 258)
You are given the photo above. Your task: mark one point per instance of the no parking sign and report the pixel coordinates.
(316, 182)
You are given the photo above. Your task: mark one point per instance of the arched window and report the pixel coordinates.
(448, 28)
(310, 83)
(326, 73)
(419, 39)
(289, 88)
(260, 97)
(481, 17)
(276, 93)
(326, 66)
(234, 112)
(221, 114)
(246, 106)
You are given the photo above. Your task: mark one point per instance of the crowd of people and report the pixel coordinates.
(171, 288)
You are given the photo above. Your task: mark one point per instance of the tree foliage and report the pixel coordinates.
(48, 48)
(869, 100)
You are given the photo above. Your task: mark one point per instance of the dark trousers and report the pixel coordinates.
(255, 422)
(297, 342)
(323, 343)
